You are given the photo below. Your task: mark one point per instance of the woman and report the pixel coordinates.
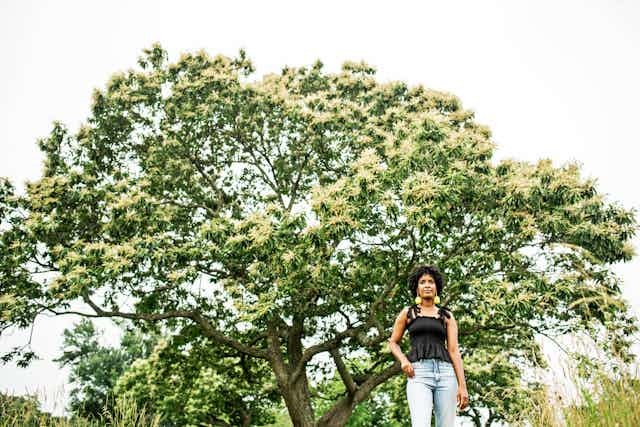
(435, 374)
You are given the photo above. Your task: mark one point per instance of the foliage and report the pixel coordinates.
(182, 381)
(191, 382)
(279, 217)
(96, 368)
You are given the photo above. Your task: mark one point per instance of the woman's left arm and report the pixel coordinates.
(456, 358)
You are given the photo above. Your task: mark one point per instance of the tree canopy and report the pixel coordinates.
(279, 217)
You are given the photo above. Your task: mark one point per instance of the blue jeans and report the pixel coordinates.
(434, 384)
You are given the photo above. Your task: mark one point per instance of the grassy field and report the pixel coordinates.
(608, 400)
(24, 412)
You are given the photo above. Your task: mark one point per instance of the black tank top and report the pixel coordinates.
(428, 335)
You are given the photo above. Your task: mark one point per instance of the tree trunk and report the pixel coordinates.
(298, 400)
(246, 418)
(339, 415)
(294, 389)
(294, 386)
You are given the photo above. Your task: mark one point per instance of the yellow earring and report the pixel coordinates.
(436, 300)
(418, 300)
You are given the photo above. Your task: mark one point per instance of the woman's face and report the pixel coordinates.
(427, 286)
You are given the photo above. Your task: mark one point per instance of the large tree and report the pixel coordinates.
(279, 216)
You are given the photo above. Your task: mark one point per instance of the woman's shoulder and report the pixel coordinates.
(404, 313)
(409, 312)
(413, 309)
(446, 312)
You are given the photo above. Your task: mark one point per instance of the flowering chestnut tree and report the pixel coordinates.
(279, 216)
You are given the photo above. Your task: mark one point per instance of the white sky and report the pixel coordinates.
(555, 79)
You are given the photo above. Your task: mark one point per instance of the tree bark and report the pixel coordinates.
(294, 389)
(339, 415)
(296, 397)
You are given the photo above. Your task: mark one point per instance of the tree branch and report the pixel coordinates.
(375, 380)
(344, 372)
(275, 356)
(351, 400)
(294, 190)
(274, 185)
(221, 338)
(194, 315)
(320, 348)
(294, 338)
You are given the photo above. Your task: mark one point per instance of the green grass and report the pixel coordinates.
(605, 399)
(24, 411)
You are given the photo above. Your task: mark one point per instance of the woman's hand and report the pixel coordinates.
(407, 367)
(462, 397)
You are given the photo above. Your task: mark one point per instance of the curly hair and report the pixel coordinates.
(419, 271)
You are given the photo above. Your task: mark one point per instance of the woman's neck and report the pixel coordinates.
(427, 306)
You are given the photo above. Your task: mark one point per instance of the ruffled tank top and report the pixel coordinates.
(428, 335)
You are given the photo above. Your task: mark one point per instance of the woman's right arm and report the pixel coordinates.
(394, 342)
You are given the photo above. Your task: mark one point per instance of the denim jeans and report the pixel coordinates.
(434, 384)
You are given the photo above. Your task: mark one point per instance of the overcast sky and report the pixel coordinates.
(556, 79)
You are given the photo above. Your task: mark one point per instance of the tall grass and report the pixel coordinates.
(616, 404)
(593, 393)
(24, 412)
